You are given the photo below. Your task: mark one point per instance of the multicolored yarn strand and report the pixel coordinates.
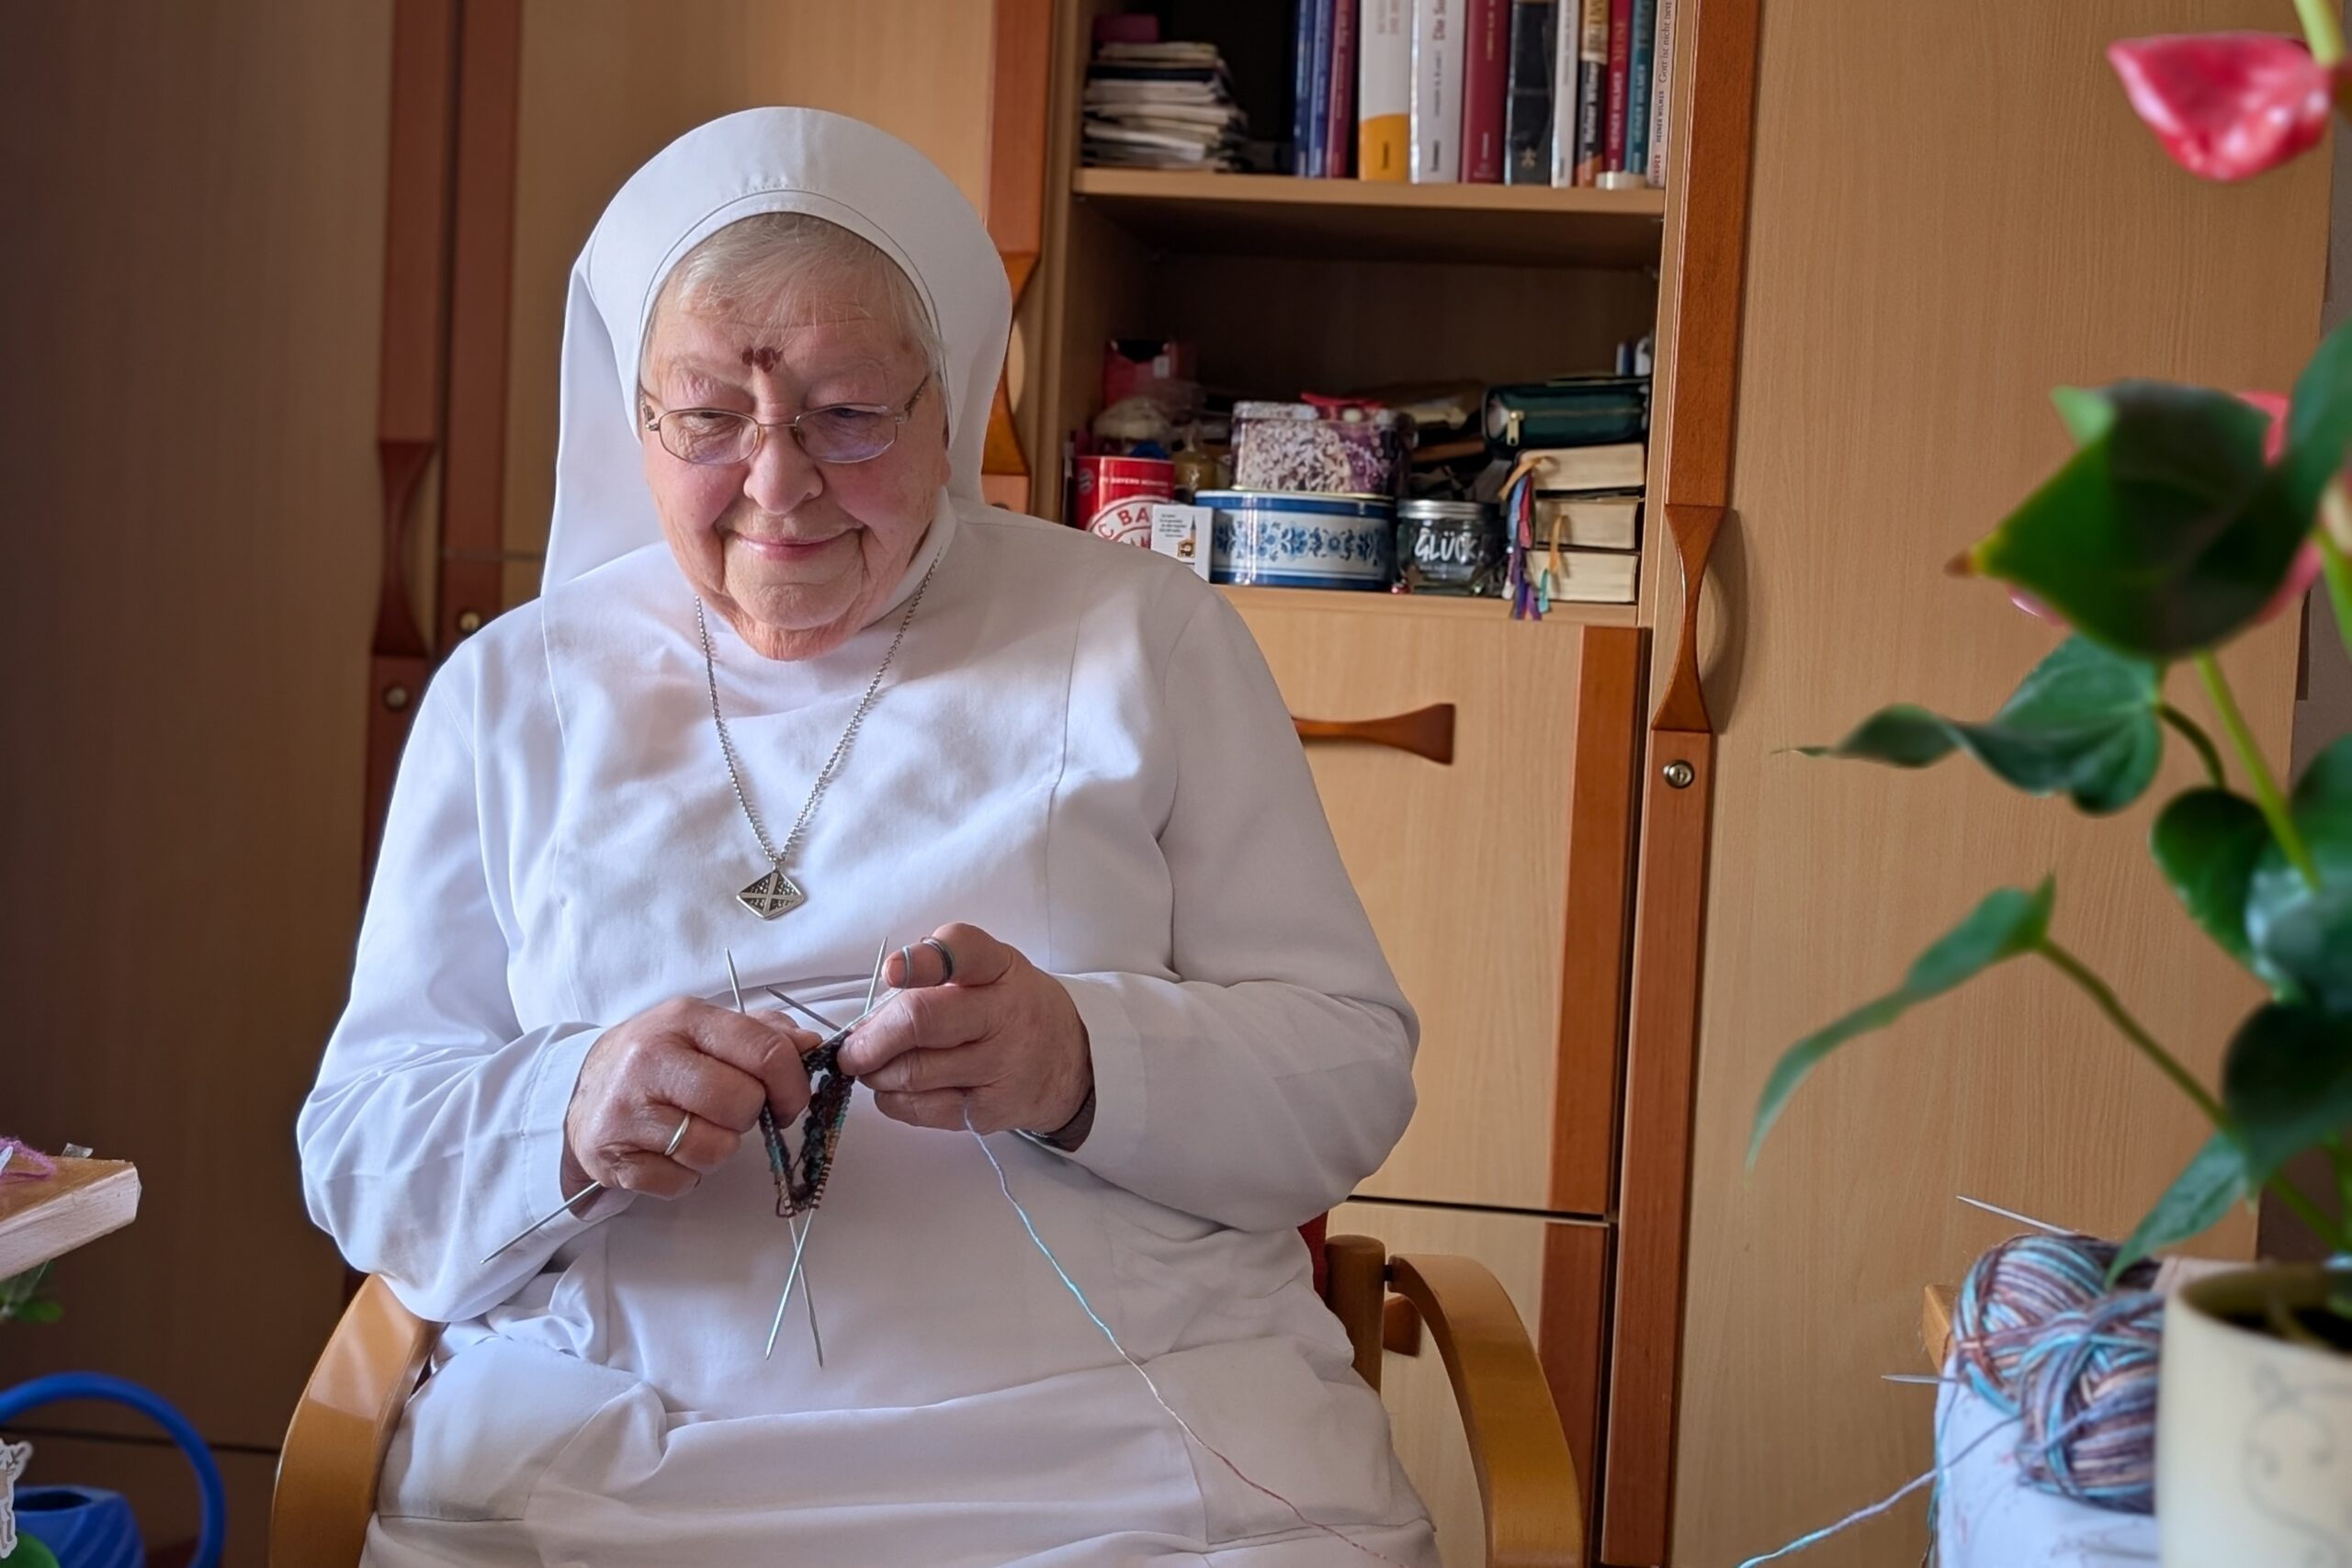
(19, 1161)
(1005, 1186)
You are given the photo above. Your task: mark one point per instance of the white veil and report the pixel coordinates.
(766, 160)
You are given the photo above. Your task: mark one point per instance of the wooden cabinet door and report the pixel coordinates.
(1556, 1273)
(1909, 300)
(1496, 879)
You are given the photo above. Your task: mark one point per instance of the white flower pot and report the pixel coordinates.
(2254, 1434)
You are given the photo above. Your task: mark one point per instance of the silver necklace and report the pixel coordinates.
(775, 893)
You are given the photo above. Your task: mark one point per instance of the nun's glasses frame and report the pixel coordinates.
(838, 432)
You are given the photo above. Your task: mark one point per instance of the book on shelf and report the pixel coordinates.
(1580, 89)
(1642, 40)
(1486, 82)
(1437, 92)
(1621, 466)
(1384, 89)
(1340, 114)
(1318, 110)
(1609, 520)
(1527, 109)
(1589, 577)
(1612, 112)
(1302, 85)
(1661, 91)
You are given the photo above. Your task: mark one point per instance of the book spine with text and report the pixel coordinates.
(1302, 85)
(1486, 79)
(1527, 109)
(1339, 124)
(1384, 89)
(1661, 92)
(1591, 91)
(1637, 88)
(1437, 92)
(1621, 49)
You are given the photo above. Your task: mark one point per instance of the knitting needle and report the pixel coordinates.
(2012, 1215)
(767, 1128)
(792, 1274)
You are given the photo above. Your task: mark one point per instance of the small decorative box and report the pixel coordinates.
(1298, 448)
(1302, 541)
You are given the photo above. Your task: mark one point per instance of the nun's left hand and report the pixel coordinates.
(978, 1025)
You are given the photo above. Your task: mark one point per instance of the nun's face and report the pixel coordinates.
(798, 553)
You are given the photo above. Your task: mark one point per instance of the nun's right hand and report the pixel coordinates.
(669, 1095)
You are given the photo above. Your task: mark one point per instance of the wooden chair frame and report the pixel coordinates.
(1527, 1482)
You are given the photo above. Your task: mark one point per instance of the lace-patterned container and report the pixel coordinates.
(1275, 540)
(1295, 447)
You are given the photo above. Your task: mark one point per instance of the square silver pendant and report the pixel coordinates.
(772, 895)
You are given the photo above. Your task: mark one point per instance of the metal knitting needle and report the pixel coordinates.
(792, 1274)
(594, 1187)
(800, 1239)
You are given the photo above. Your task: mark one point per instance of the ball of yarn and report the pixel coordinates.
(2086, 1394)
(2038, 1335)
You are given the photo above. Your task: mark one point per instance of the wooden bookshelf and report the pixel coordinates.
(1222, 214)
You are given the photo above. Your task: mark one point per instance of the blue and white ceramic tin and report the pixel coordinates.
(1297, 539)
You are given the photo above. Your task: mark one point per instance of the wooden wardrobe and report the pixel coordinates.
(1888, 229)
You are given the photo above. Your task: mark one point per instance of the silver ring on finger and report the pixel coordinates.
(946, 959)
(679, 1136)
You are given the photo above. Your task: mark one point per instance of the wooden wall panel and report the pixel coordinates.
(1952, 210)
(606, 83)
(189, 298)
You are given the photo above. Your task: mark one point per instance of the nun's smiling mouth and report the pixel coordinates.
(788, 549)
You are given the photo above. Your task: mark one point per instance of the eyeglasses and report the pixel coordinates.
(838, 433)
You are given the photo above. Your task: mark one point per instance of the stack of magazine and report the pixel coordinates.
(1162, 106)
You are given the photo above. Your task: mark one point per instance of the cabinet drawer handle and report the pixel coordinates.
(1425, 732)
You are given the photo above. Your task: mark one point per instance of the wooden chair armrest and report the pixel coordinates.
(335, 1444)
(1527, 1479)
(1935, 1326)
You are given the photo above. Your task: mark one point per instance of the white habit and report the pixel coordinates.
(1079, 749)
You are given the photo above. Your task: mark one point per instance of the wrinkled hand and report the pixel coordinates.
(684, 1058)
(1001, 1034)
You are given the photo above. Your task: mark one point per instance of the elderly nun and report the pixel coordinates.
(794, 692)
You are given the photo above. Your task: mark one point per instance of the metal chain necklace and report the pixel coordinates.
(775, 893)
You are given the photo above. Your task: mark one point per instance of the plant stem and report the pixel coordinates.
(2165, 1062)
(2333, 1235)
(2266, 788)
(2337, 571)
(2195, 733)
(2321, 29)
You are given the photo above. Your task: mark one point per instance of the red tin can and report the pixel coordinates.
(1114, 495)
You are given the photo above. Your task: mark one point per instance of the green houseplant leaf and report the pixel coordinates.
(2206, 843)
(2083, 722)
(2166, 532)
(2009, 921)
(2302, 936)
(2286, 1083)
(2193, 1204)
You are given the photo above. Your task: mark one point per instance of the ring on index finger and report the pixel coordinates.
(946, 959)
(679, 1136)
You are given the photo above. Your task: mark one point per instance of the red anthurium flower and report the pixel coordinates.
(2226, 106)
(2300, 577)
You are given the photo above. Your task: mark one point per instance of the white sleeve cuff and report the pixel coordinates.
(1117, 1134)
(547, 1102)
